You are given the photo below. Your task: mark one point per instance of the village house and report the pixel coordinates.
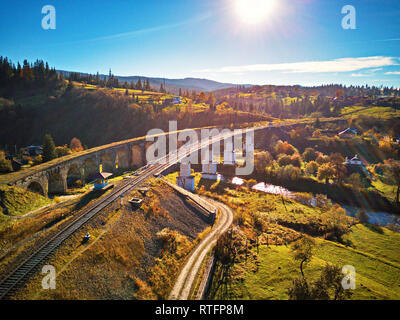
(347, 133)
(355, 161)
(33, 151)
(356, 165)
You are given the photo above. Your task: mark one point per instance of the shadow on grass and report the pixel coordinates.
(92, 195)
(213, 185)
(374, 228)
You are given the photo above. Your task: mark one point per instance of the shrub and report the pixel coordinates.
(337, 222)
(309, 155)
(304, 198)
(285, 147)
(312, 168)
(284, 160)
(317, 133)
(326, 171)
(295, 160)
(321, 159)
(262, 160)
(5, 166)
(289, 172)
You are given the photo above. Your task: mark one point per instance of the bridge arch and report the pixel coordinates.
(36, 187)
(122, 159)
(74, 175)
(90, 169)
(107, 162)
(57, 183)
(137, 156)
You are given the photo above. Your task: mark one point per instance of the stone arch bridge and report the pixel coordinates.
(56, 176)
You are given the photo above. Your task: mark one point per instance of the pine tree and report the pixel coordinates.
(49, 149)
(139, 85)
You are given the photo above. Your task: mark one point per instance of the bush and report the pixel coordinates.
(284, 160)
(337, 222)
(321, 159)
(304, 198)
(285, 147)
(289, 172)
(309, 155)
(262, 160)
(295, 160)
(5, 166)
(312, 168)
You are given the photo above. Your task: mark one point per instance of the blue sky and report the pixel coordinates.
(294, 42)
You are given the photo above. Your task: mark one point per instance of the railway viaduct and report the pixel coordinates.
(56, 176)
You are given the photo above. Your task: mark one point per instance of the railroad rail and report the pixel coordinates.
(29, 266)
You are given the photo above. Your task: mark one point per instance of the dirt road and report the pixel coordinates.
(189, 272)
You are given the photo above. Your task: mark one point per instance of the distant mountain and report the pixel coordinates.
(173, 85)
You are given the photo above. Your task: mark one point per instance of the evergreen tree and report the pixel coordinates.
(147, 85)
(49, 149)
(139, 85)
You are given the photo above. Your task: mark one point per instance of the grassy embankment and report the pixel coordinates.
(131, 254)
(374, 255)
(373, 111)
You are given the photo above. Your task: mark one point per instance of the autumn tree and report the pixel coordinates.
(261, 160)
(326, 171)
(202, 97)
(327, 287)
(338, 161)
(75, 145)
(285, 147)
(309, 154)
(302, 250)
(211, 101)
(312, 168)
(5, 165)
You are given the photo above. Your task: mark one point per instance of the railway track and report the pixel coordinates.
(29, 266)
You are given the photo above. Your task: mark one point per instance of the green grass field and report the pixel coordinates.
(18, 201)
(373, 111)
(375, 257)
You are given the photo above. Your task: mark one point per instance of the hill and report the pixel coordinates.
(171, 85)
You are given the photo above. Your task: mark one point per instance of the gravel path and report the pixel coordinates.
(188, 274)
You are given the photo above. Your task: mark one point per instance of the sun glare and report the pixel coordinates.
(254, 11)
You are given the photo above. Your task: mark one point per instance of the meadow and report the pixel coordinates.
(272, 223)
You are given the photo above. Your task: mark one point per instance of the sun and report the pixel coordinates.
(254, 11)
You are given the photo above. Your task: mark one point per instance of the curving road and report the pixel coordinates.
(188, 274)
